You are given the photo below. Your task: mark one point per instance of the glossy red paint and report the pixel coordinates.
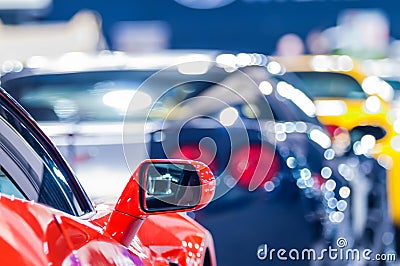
(127, 217)
(24, 227)
(167, 237)
(34, 234)
(178, 239)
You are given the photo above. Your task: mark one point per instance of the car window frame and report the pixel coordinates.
(16, 111)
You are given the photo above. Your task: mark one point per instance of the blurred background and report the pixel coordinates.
(243, 25)
(326, 73)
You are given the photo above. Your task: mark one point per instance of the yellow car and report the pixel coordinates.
(347, 98)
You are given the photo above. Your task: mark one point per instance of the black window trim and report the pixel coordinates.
(25, 119)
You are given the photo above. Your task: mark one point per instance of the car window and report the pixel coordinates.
(282, 110)
(395, 84)
(29, 172)
(294, 105)
(331, 85)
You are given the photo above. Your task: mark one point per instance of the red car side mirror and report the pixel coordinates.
(160, 186)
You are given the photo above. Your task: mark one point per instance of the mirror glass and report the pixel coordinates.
(169, 186)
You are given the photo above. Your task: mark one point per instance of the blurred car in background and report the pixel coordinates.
(48, 218)
(302, 146)
(347, 98)
(82, 107)
(343, 95)
(387, 70)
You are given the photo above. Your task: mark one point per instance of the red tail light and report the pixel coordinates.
(193, 152)
(331, 129)
(318, 180)
(335, 131)
(253, 166)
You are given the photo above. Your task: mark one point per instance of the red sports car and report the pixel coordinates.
(47, 219)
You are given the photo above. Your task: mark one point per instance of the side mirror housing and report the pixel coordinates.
(160, 186)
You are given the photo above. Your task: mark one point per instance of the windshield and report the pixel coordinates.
(394, 83)
(331, 85)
